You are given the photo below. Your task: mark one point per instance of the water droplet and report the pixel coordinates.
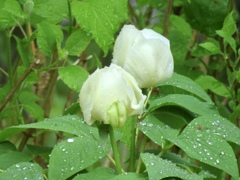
(70, 140)
(152, 163)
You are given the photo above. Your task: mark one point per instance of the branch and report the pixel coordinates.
(167, 17)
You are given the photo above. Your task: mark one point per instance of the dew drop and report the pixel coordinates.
(70, 140)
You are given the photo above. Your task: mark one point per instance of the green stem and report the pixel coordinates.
(115, 151)
(143, 144)
(9, 59)
(70, 17)
(132, 145)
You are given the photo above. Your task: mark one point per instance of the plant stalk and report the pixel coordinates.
(115, 151)
(133, 145)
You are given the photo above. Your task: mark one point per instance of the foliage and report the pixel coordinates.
(190, 125)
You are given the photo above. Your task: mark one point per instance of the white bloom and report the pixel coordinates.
(145, 54)
(110, 95)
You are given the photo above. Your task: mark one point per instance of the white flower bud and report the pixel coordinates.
(110, 95)
(145, 54)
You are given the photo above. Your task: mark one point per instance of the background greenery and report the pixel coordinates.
(190, 129)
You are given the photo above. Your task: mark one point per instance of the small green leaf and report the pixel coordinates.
(190, 103)
(102, 19)
(72, 109)
(77, 42)
(74, 155)
(23, 47)
(229, 25)
(229, 39)
(186, 84)
(100, 173)
(48, 36)
(73, 76)
(52, 11)
(211, 47)
(158, 168)
(10, 13)
(180, 34)
(212, 84)
(23, 170)
(13, 157)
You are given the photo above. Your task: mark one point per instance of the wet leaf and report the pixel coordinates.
(69, 124)
(158, 168)
(74, 155)
(190, 103)
(186, 84)
(102, 19)
(23, 170)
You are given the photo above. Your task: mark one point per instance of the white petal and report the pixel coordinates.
(150, 34)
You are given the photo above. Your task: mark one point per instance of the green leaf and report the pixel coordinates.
(23, 170)
(212, 84)
(157, 131)
(229, 25)
(218, 126)
(23, 50)
(100, 173)
(74, 155)
(6, 146)
(128, 176)
(52, 11)
(206, 144)
(28, 103)
(229, 39)
(206, 16)
(72, 109)
(180, 34)
(73, 76)
(39, 150)
(190, 103)
(69, 124)
(13, 157)
(77, 42)
(48, 36)
(10, 13)
(102, 19)
(186, 84)
(158, 168)
(211, 47)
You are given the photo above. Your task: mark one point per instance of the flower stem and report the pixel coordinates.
(115, 151)
(132, 145)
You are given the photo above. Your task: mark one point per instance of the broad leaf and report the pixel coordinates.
(6, 146)
(102, 19)
(157, 131)
(206, 16)
(186, 84)
(158, 168)
(13, 157)
(77, 42)
(23, 170)
(204, 142)
(73, 76)
(100, 173)
(190, 103)
(127, 176)
(211, 47)
(74, 155)
(69, 124)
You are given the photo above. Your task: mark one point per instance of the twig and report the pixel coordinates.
(14, 89)
(167, 17)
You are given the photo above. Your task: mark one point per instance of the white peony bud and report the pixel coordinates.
(110, 95)
(145, 54)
